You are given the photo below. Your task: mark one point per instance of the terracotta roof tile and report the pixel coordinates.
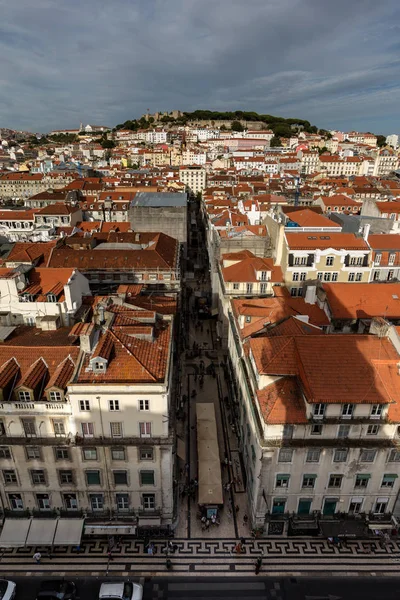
(282, 402)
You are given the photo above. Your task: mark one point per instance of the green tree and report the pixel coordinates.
(222, 128)
(105, 143)
(237, 126)
(322, 150)
(381, 140)
(275, 141)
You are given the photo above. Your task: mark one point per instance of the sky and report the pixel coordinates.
(335, 63)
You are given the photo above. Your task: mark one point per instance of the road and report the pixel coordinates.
(239, 588)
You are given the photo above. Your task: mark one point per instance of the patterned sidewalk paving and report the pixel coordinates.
(209, 557)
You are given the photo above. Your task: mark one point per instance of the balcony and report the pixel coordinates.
(67, 440)
(35, 408)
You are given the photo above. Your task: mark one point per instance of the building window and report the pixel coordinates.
(316, 429)
(285, 455)
(235, 286)
(43, 501)
(84, 405)
(146, 454)
(122, 502)
(55, 396)
(295, 276)
(59, 427)
(33, 453)
(24, 396)
(144, 404)
(149, 501)
(113, 404)
(351, 277)
(282, 481)
(343, 431)
(5, 452)
(319, 410)
(62, 453)
(335, 481)
(287, 432)
(340, 455)
(66, 477)
(93, 477)
(308, 481)
(97, 501)
(335, 276)
(38, 477)
(347, 410)
(329, 261)
(313, 455)
(320, 276)
(89, 453)
(391, 261)
(376, 411)
(388, 481)
(358, 276)
(380, 507)
(303, 276)
(2, 427)
(118, 453)
(378, 258)
(87, 429)
(327, 276)
(116, 430)
(9, 477)
(302, 260)
(15, 501)
(373, 430)
(70, 501)
(394, 456)
(147, 478)
(249, 288)
(362, 480)
(367, 455)
(355, 506)
(145, 429)
(120, 477)
(263, 288)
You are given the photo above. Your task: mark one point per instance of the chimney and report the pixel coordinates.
(367, 227)
(311, 294)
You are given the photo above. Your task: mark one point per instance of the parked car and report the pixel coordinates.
(57, 589)
(121, 590)
(7, 589)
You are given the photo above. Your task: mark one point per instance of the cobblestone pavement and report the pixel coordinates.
(210, 557)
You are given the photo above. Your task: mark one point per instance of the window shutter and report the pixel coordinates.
(310, 260)
(291, 260)
(347, 260)
(365, 261)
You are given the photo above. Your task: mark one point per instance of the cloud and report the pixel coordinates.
(335, 64)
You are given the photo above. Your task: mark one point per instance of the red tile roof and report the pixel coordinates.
(363, 301)
(313, 241)
(282, 402)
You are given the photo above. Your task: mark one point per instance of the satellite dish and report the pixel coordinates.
(20, 285)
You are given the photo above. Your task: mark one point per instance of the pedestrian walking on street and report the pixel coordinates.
(245, 519)
(258, 564)
(242, 541)
(237, 509)
(110, 556)
(37, 556)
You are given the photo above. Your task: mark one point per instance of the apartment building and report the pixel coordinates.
(315, 444)
(41, 297)
(84, 420)
(194, 178)
(334, 257)
(385, 257)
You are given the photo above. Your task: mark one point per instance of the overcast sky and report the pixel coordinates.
(333, 62)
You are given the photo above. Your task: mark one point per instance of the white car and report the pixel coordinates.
(120, 590)
(7, 589)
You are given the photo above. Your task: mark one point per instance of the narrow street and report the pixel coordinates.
(205, 379)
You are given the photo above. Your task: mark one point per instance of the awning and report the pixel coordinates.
(110, 530)
(14, 533)
(149, 521)
(68, 532)
(41, 532)
(379, 526)
(343, 528)
(181, 448)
